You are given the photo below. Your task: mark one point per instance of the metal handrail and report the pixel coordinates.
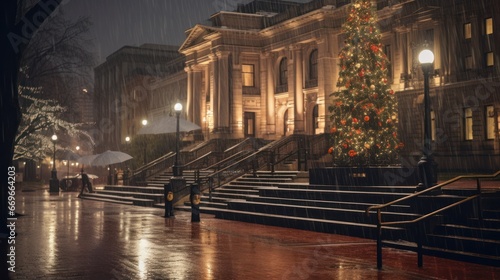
(379, 208)
(264, 157)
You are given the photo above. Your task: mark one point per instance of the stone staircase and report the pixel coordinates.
(283, 199)
(151, 195)
(278, 199)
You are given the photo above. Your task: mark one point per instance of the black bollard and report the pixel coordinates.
(169, 198)
(195, 198)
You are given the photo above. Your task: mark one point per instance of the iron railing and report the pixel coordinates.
(380, 223)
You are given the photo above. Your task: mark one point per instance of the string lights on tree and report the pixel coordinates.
(364, 111)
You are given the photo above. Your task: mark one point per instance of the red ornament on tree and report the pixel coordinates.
(352, 153)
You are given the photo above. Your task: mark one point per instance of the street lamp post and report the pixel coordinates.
(144, 123)
(54, 182)
(177, 168)
(426, 165)
(177, 182)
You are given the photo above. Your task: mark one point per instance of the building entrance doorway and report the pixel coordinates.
(249, 127)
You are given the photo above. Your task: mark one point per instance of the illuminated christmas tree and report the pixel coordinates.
(364, 112)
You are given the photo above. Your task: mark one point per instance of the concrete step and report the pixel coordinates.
(157, 197)
(229, 195)
(445, 253)
(468, 244)
(129, 200)
(388, 189)
(467, 231)
(238, 191)
(96, 198)
(157, 190)
(331, 226)
(330, 195)
(327, 204)
(338, 214)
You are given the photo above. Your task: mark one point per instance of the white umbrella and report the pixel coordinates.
(110, 157)
(168, 124)
(91, 176)
(66, 155)
(86, 160)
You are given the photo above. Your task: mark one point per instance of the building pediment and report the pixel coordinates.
(196, 35)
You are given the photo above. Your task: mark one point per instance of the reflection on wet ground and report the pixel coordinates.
(63, 237)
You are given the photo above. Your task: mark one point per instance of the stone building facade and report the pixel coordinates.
(126, 90)
(269, 69)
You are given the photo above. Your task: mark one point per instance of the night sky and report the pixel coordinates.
(132, 22)
(117, 23)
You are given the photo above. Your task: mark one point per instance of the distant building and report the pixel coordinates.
(122, 90)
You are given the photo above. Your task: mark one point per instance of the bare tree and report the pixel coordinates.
(58, 59)
(17, 28)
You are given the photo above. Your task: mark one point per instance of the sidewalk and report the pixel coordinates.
(63, 237)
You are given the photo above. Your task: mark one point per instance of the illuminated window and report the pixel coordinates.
(467, 30)
(313, 65)
(468, 124)
(488, 26)
(283, 79)
(248, 75)
(490, 122)
(490, 59)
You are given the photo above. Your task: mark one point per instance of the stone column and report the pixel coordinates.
(298, 91)
(190, 93)
(236, 100)
(205, 103)
(222, 104)
(214, 96)
(326, 79)
(270, 99)
(197, 101)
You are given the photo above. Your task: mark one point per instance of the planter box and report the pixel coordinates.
(364, 176)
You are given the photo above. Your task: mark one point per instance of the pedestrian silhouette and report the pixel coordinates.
(86, 184)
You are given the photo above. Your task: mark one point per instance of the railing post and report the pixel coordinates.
(271, 162)
(210, 187)
(379, 238)
(479, 206)
(379, 245)
(420, 261)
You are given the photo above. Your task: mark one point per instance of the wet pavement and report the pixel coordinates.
(64, 237)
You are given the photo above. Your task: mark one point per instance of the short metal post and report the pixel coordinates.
(195, 199)
(379, 245)
(419, 247)
(168, 198)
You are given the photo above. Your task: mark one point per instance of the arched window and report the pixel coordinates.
(313, 65)
(283, 79)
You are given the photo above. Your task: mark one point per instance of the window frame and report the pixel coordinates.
(283, 72)
(488, 26)
(467, 30)
(244, 73)
(489, 124)
(468, 124)
(489, 59)
(313, 65)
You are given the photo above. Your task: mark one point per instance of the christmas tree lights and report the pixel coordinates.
(364, 111)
